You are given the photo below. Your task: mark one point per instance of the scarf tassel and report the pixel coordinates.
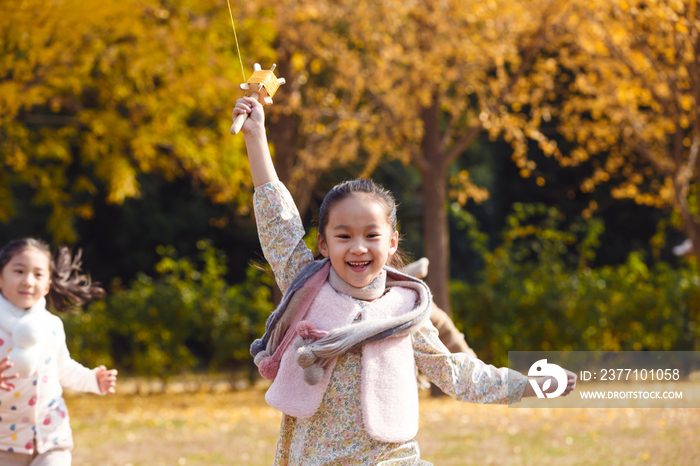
(305, 357)
(269, 366)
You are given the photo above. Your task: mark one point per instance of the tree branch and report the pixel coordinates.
(643, 147)
(463, 143)
(694, 68)
(43, 119)
(686, 172)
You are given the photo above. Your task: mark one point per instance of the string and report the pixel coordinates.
(236, 37)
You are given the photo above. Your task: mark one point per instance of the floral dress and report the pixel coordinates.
(335, 435)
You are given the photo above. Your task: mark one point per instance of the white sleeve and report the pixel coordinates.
(72, 374)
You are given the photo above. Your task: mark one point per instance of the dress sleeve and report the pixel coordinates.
(281, 232)
(461, 376)
(72, 374)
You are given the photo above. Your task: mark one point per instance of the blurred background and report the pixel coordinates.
(544, 154)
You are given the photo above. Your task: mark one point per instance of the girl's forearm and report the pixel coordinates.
(261, 167)
(529, 391)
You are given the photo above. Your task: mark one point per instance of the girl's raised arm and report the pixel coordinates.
(279, 224)
(261, 167)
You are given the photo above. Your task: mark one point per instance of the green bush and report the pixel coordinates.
(536, 292)
(187, 317)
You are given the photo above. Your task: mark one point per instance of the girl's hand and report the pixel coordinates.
(5, 364)
(256, 115)
(570, 382)
(106, 379)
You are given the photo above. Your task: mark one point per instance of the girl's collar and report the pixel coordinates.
(9, 309)
(370, 292)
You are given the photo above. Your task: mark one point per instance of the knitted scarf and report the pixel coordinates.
(26, 328)
(316, 349)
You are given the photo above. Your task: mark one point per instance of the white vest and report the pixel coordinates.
(389, 392)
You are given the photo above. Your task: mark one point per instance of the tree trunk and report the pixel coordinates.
(681, 181)
(283, 135)
(690, 226)
(435, 226)
(286, 140)
(436, 237)
(283, 138)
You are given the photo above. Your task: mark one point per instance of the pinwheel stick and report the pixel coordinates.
(261, 86)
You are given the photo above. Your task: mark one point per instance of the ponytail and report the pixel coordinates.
(69, 287)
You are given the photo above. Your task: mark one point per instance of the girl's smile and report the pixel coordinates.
(359, 266)
(358, 239)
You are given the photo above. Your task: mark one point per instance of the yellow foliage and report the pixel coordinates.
(632, 101)
(367, 72)
(464, 189)
(146, 86)
(128, 87)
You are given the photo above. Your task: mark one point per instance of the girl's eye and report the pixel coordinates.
(343, 236)
(373, 235)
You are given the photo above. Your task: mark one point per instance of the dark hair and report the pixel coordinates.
(69, 287)
(364, 186)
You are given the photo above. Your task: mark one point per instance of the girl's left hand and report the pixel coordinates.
(106, 379)
(570, 382)
(5, 364)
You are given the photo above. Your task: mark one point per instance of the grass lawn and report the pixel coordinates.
(238, 428)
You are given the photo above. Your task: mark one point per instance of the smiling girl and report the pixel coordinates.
(34, 425)
(343, 345)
